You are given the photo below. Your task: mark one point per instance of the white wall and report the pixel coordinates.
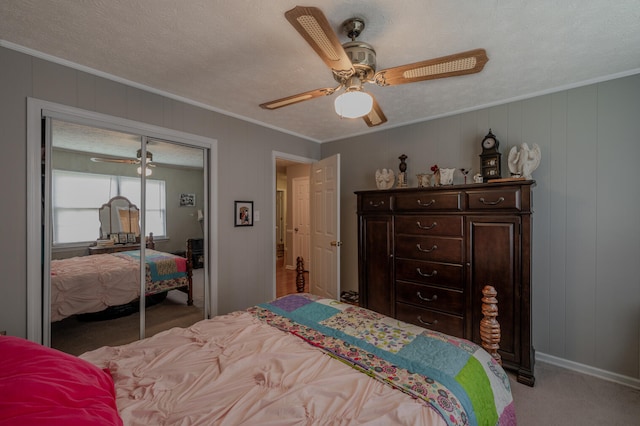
(586, 231)
(246, 263)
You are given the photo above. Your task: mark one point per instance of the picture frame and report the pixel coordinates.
(187, 200)
(122, 238)
(243, 213)
(131, 238)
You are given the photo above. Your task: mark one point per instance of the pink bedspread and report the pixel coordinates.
(235, 369)
(92, 283)
(88, 284)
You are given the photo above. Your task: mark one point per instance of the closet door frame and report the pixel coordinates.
(38, 317)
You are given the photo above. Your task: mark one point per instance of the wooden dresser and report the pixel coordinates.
(113, 249)
(426, 253)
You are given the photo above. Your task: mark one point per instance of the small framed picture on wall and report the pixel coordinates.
(243, 213)
(187, 200)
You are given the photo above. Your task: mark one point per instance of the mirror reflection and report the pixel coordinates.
(96, 224)
(117, 216)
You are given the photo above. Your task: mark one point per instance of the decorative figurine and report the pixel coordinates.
(385, 178)
(477, 178)
(436, 175)
(524, 161)
(402, 176)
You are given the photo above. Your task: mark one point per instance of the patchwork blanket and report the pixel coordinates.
(461, 381)
(160, 266)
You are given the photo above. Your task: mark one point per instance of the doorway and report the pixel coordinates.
(290, 169)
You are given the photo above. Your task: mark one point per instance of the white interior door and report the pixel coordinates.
(324, 278)
(300, 215)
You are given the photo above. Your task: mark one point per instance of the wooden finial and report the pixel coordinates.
(489, 326)
(300, 275)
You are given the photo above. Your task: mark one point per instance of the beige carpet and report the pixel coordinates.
(76, 337)
(563, 397)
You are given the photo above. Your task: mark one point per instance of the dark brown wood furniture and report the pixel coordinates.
(122, 247)
(425, 254)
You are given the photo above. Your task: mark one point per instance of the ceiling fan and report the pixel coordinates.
(354, 63)
(136, 161)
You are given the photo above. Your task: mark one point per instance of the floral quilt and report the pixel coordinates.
(461, 381)
(164, 271)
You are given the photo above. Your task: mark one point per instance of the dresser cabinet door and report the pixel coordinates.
(494, 255)
(376, 284)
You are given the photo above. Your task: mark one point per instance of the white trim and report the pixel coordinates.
(36, 109)
(274, 175)
(586, 369)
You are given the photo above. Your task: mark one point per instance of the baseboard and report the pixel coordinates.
(586, 369)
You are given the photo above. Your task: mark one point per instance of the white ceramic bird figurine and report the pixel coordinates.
(524, 161)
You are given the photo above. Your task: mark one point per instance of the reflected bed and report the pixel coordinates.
(89, 284)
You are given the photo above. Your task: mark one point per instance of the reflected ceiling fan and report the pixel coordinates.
(354, 63)
(136, 161)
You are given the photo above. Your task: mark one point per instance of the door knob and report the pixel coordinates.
(336, 243)
(295, 229)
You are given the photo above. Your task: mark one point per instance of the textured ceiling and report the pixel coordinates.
(232, 55)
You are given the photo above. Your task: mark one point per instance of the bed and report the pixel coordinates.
(299, 359)
(90, 284)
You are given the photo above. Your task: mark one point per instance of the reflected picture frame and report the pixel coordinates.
(243, 213)
(187, 200)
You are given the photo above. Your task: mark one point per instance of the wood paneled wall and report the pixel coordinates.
(586, 226)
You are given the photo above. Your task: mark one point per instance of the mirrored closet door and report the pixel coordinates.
(124, 235)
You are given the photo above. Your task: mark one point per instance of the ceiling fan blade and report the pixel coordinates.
(114, 160)
(294, 99)
(311, 23)
(447, 66)
(375, 117)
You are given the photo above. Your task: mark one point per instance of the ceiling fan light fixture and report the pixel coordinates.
(147, 172)
(353, 104)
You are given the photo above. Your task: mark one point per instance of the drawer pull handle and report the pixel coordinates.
(419, 247)
(426, 322)
(491, 203)
(426, 228)
(426, 299)
(421, 204)
(433, 274)
(372, 204)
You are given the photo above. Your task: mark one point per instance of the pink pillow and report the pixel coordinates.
(40, 385)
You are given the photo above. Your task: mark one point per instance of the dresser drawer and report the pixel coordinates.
(443, 274)
(428, 201)
(436, 249)
(440, 299)
(495, 199)
(376, 202)
(449, 226)
(433, 320)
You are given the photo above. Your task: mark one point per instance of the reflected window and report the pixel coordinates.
(76, 198)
